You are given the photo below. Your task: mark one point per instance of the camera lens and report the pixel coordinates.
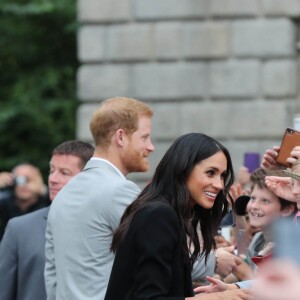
(289, 130)
(21, 180)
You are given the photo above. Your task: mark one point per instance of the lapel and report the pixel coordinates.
(45, 212)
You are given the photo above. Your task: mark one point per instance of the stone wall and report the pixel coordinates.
(228, 68)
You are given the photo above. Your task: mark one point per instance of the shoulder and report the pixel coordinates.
(121, 191)
(29, 218)
(126, 186)
(105, 175)
(157, 212)
(158, 208)
(158, 223)
(101, 166)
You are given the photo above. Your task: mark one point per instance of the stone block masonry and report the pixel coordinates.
(228, 68)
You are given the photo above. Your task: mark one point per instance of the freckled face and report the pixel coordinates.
(207, 180)
(263, 207)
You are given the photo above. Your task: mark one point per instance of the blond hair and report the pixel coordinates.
(116, 113)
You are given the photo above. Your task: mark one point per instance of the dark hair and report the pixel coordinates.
(169, 185)
(84, 151)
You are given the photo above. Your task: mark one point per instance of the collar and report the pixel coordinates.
(108, 162)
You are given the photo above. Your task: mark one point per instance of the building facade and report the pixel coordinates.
(227, 68)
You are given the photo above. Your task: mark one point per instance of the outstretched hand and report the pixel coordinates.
(269, 158)
(294, 155)
(237, 294)
(6, 179)
(227, 260)
(281, 186)
(215, 286)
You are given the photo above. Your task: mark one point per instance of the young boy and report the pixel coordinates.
(263, 208)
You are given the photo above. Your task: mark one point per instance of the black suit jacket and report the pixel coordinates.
(149, 263)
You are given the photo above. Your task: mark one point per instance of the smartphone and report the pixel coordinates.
(252, 161)
(291, 139)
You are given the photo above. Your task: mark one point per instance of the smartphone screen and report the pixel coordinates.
(252, 161)
(290, 140)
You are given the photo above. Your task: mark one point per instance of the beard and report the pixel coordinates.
(135, 161)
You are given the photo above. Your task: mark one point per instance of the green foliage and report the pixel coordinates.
(37, 79)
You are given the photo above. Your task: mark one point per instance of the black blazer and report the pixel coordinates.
(149, 263)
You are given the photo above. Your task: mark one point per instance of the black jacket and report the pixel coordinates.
(149, 263)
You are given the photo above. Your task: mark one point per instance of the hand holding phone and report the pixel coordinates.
(290, 140)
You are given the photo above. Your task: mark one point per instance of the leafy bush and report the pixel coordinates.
(37, 79)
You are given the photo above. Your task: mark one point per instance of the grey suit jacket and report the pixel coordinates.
(79, 232)
(22, 257)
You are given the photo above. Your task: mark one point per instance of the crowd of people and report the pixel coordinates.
(105, 238)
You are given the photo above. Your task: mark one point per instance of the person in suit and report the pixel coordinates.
(22, 250)
(87, 211)
(153, 242)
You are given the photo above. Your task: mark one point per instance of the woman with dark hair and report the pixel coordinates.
(190, 187)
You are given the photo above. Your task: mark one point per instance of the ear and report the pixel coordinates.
(287, 211)
(119, 136)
